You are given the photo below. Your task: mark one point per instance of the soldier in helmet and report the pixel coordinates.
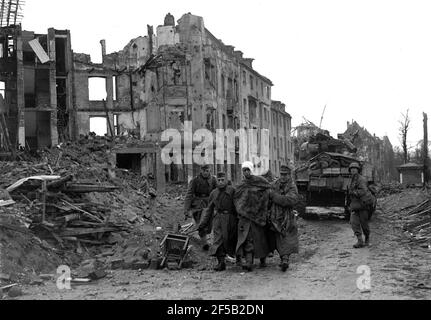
(358, 195)
(197, 198)
(283, 235)
(221, 210)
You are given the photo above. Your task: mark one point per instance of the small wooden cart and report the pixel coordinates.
(175, 247)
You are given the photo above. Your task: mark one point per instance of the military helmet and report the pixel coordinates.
(354, 165)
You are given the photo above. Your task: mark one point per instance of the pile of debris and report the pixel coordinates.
(23, 254)
(73, 200)
(411, 210)
(418, 223)
(57, 209)
(387, 189)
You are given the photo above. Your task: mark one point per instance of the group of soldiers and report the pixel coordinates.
(248, 221)
(256, 217)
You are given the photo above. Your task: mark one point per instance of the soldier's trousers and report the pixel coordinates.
(359, 223)
(197, 215)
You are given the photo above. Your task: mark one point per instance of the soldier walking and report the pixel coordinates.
(283, 229)
(221, 211)
(197, 199)
(360, 200)
(251, 201)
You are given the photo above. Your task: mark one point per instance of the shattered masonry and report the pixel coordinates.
(181, 72)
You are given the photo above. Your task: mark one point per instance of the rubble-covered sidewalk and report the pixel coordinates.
(70, 206)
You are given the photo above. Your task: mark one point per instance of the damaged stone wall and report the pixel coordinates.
(181, 73)
(35, 69)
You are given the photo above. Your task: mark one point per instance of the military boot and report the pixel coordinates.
(221, 266)
(367, 240)
(248, 262)
(359, 244)
(284, 265)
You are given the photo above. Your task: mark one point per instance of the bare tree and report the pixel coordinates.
(404, 128)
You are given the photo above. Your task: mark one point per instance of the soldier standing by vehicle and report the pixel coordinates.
(360, 201)
(197, 198)
(221, 210)
(251, 203)
(283, 235)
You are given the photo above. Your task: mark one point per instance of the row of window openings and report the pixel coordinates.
(210, 74)
(253, 115)
(263, 89)
(97, 88)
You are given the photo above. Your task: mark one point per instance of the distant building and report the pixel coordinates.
(411, 174)
(370, 148)
(281, 145)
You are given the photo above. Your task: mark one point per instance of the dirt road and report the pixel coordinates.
(326, 268)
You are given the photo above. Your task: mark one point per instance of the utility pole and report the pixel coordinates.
(425, 149)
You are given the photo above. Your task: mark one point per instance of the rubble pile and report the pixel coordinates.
(23, 255)
(418, 222)
(412, 210)
(388, 189)
(74, 200)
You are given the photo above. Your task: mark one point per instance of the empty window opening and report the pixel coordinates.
(99, 125)
(37, 129)
(7, 47)
(60, 55)
(29, 87)
(116, 125)
(129, 161)
(3, 89)
(115, 88)
(62, 114)
(42, 89)
(97, 89)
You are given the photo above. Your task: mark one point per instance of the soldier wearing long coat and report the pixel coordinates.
(283, 229)
(251, 203)
(221, 210)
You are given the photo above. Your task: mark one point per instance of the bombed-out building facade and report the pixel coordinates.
(36, 86)
(179, 73)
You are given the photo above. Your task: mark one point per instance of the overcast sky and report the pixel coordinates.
(366, 60)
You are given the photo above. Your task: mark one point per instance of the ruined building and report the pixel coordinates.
(280, 143)
(36, 84)
(378, 152)
(181, 72)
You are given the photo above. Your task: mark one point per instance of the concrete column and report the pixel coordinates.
(110, 100)
(18, 133)
(160, 172)
(52, 86)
